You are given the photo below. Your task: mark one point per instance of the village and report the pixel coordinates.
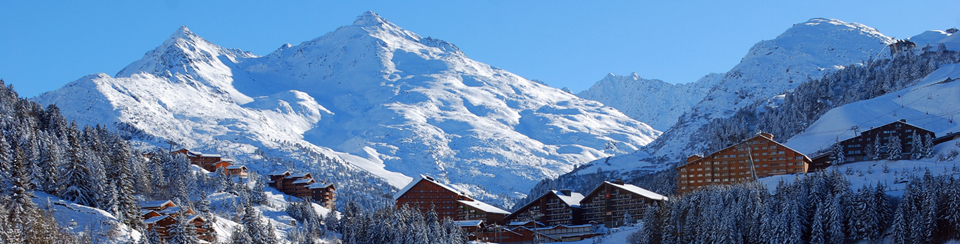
(563, 215)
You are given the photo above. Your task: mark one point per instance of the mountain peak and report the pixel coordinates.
(369, 18)
(182, 33)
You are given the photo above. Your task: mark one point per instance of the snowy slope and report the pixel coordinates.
(806, 50)
(654, 102)
(371, 94)
(934, 38)
(931, 104)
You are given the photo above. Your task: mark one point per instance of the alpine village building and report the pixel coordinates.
(855, 149)
(211, 162)
(159, 216)
(426, 194)
(564, 211)
(612, 202)
(753, 158)
(303, 185)
(553, 208)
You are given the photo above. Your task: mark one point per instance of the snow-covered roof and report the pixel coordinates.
(564, 226)
(474, 223)
(297, 175)
(483, 206)
(154, 204)
(573, 200)
(155, 219)
(145, 211)
(639, 191)
(210, 155)
(319, 185)
(236, 167)
(426, 178)
(227, 160)
(170, 210)
(278, 172)
(303, 181)
(516, 223)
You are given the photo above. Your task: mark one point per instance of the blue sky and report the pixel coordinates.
(44, 45)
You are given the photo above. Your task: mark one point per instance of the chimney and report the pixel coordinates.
(693, 158)
(903, 120)
(618, 182)
(566, 192)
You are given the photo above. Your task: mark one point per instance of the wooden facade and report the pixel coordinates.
(553, 208)
(426, 194)
(302, 185)
(211, 162)
(611, 202)
(325, 194)
(855, 149)
(759, 155)
(160, 216)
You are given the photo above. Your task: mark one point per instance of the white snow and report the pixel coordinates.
(381, 98)
(932, 104)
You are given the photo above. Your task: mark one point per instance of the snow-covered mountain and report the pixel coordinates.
(370, 94)
(805, 51)
(655, 102)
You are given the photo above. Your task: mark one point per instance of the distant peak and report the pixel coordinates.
(182, 32)
(369, 18)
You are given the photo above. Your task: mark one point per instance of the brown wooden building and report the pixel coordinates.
(210, 162)
(553, 208)
(303, 185)
(426, 193)
(610, 202)
(758, 155)
(325, 194)
(855, 149)
(160, 216)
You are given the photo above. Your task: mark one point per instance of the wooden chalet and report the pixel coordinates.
(611, 202)
(855, 149)
(236, 170)
(901, 45)
(756, 157)
(324, 193)
(302, 185)
(211, 162)
(554, 208)
(160, 216)
(447, 202)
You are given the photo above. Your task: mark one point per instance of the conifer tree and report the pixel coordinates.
(916, 146)
(840, 156)
(894, 149)
(126, 199)
(928, 146)
(877, 148)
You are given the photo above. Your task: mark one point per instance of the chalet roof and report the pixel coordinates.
(278, 173)
(236, 167)
(483, 206)
(518, 223)
(637, 190)
(227, 160)
(195, 216)
(145, 211)
(878, 127)
(155, 204)
(760, 135)
(297, 175)
(209, 155)
(319, 185)
(426, 178)
(573, 200)
(564, 226)
(170, 210)
(304, 181)
(470, 223)
(155, 219)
